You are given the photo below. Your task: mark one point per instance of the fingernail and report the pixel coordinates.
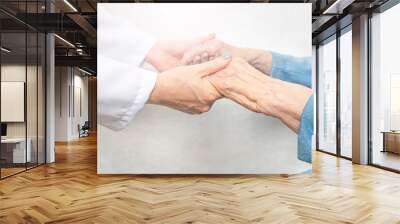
(226, 55)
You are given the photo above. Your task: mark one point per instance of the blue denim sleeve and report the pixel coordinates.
(291, 69)
(306, 131)
(298, 70)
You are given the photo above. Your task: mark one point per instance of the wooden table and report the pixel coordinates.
(391, 141)
(13, 150)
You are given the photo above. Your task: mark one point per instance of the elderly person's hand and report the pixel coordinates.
(252, 89)
(167, 54)
(207, 50)
(185, 88)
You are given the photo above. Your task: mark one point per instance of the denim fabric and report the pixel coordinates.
(306, 131)
(292, 69)
(298, 70)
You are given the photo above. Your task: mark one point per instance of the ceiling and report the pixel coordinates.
(75, 21)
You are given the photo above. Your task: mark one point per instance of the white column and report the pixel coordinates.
(360, 90)
(50, 92)
(50, 99)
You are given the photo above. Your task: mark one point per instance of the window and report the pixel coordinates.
(327, 97)
(346, 94)
(385, 89)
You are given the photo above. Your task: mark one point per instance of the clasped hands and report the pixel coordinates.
(195, 73)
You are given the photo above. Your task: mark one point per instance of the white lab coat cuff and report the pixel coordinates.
(143, 94)
(122, 91)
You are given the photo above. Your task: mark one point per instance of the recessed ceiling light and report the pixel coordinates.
(70, 5)
(64, 40)
(5, 50)
(84, 71)
(337, 7)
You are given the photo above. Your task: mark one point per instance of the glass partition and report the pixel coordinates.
(41, 96)
(14, 153)
(22, 77)
(34, 58)
(327, 96)
(346, 94)
(31, 99)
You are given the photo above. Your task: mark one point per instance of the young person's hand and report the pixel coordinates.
(260, 59)
(184, 88)
(166, 54)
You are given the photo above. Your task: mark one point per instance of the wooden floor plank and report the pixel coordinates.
(70, 191)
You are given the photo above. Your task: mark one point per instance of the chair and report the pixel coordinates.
(84, 130)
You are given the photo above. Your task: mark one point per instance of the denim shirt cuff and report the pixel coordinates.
(306, 131)
(278, 66)
(291, 69)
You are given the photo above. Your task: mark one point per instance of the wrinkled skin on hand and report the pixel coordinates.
(260, 93)
(185, 88)
(245, 85)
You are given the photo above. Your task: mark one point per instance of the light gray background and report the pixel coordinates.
(228, 139)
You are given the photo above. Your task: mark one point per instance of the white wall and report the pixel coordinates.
(69, 81)
(15, 72)
(79, 117)
(229, 138)
(61, 103)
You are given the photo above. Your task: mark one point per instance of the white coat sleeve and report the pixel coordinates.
(123, 87)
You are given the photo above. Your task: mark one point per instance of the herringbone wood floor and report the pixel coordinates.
(70, 191)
